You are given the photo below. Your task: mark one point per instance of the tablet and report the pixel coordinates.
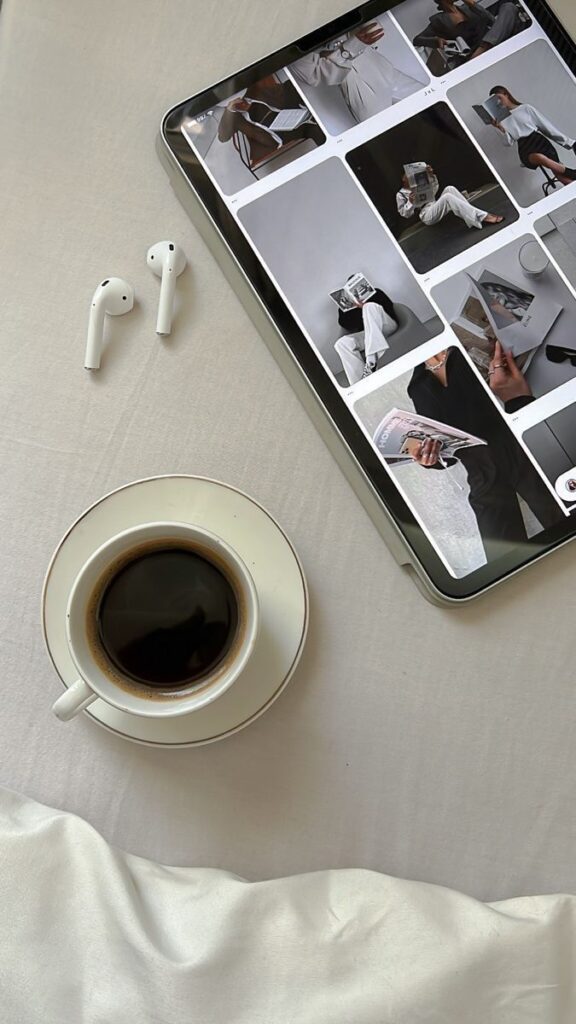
(394, 196)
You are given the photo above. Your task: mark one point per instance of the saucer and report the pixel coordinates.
(275, 569)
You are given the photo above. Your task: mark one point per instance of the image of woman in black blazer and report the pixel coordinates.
(445, 388)
(534, 135)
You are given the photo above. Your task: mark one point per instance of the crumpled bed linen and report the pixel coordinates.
(91, 935)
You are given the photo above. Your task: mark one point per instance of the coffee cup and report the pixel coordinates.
(161, 621)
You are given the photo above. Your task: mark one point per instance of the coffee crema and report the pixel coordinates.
(165, 616)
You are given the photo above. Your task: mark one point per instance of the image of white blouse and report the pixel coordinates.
(368, 80)
(524, 120)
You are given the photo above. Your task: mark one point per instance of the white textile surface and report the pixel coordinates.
(427, 744)
(91, 935)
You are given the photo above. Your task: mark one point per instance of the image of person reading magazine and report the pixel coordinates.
(419, 195)
(524, 126)
(471, 22)
(368, 317)
(445, 389)
(400, 436)
(270, 116)
(367, 80)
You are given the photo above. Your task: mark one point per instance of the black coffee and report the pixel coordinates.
(167, 618)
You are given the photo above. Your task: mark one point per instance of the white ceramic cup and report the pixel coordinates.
(533, 259)
(97, 678)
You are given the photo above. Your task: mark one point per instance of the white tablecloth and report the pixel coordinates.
(429, 744)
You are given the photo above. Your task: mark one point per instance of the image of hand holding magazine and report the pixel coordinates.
(401, 439)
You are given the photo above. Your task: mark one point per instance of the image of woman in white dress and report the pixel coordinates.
(533, 134)
(367, 80)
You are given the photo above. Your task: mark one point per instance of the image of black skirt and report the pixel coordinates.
(535, 143)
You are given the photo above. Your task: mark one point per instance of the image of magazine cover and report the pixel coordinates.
(355, 292)
(400, 434)
(476, 333)
(422, 181)
(517, 297)
(518, 317)
(491, 110)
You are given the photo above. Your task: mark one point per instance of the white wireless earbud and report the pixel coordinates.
(167, 261)
(113, 296)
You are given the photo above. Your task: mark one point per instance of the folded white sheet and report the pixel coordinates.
(91, 935)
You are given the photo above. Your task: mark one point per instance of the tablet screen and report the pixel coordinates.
(410, 188)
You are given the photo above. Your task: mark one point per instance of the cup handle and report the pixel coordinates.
(75, 699)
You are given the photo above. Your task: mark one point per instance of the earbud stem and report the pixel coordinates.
(166, 301)
(95, 336)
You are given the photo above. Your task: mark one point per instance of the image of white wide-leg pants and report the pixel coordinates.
(452, 201)
(355, 349)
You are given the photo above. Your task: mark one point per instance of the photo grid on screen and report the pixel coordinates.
(410, 189)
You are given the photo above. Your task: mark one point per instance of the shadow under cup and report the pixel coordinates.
(162, 619)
